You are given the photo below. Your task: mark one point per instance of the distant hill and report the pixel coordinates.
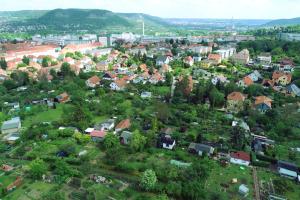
(70, 20)
(284, 22)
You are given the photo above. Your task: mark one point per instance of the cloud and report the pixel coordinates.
(250, 9)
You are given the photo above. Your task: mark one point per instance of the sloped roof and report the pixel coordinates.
(240, 155)
(236, 96)
(124, 124)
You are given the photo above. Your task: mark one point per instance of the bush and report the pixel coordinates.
(126, 167)
(266, 158)
(260, 163)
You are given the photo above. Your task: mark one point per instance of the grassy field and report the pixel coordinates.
(45, 116)
(221, 175)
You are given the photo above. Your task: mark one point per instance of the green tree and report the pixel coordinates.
(37, 168)
(66, 70)
(26, 60)
(3, 63)
(138, 141)
(148, 180)
(216, 98)
(111, 141)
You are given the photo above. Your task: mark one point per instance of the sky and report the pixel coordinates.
(237, 9)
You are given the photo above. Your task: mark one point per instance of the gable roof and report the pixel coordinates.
(240, 155)
(124, 124)
(236, 96)
(200, 147)
(98, 134)
(247, 80)
(263, 99)
(94, 80)
(213, 56)
(11, 124)
(278, 74)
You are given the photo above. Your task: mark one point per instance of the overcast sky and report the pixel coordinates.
(237, 9)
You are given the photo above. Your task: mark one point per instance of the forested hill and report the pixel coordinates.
(284, 22)
(66, 20)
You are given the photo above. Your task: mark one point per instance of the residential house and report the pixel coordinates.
(201, 149)
(282, 78)
(242, 57)
(93, 81)
(102, 66)
(11, 126)
(264, 59)
(226, 52)
(98, 135)
(162, 60)
(165, 69)
(287, 65)
(215, 58)
(118, 85)
(106, 125)
(155, 78)
(62, 98)
(125, 137)
(246, 82)
(255, 76)
(260, 144)
(263, 103)
(109, 76)
(240, 158)
(267, 83)
(288, 170)
(219, 79)
(235, 101)
(293, 90)
(122, 125)
(188, 61)
(166, 142)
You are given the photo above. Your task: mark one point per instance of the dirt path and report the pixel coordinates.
(256, 184)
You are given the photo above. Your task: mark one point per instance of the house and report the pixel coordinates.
(246, 82)
(166, 142)
(89, 130)
(268, 83)
(122, 125)
(106, 125)
(162, 60)
(282, 78)
(219, 79)
(118, 85)
(235, 101)
(197, 58)
(260, 144)
(225, 53)
(11, 126)
(98, 135)
(255, 76)
(188, 61)
(102, 66)
(93, 82)
(263, 103)
(240, 158)
(109, 76)
(216, 58)
(146, 95)
(62, 98)
(286, 65)
(242, 57)
(293, 90)
(156, 78)
(201, 149)
(125, 137)
(288, 170)
(264, 59)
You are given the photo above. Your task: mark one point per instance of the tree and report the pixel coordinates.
(111, 141)
(3, 63)
(81, 138)
(45, 62)
(37, 168)
(26, 60)
(216, 98)
(62, 169)
(78, 115)
(148, 180)
(194, 190)
(138, 141)
(66, 69)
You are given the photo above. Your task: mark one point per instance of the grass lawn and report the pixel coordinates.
(222, 175)
(29, 191)
(45, 116)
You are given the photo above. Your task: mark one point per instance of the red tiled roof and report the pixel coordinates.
(247, 80)
(94, 80)
(124, 124)
(263, 99)
(278, 74)
(216, 57)
(99, 134)
(236, 96)
(240, 155)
